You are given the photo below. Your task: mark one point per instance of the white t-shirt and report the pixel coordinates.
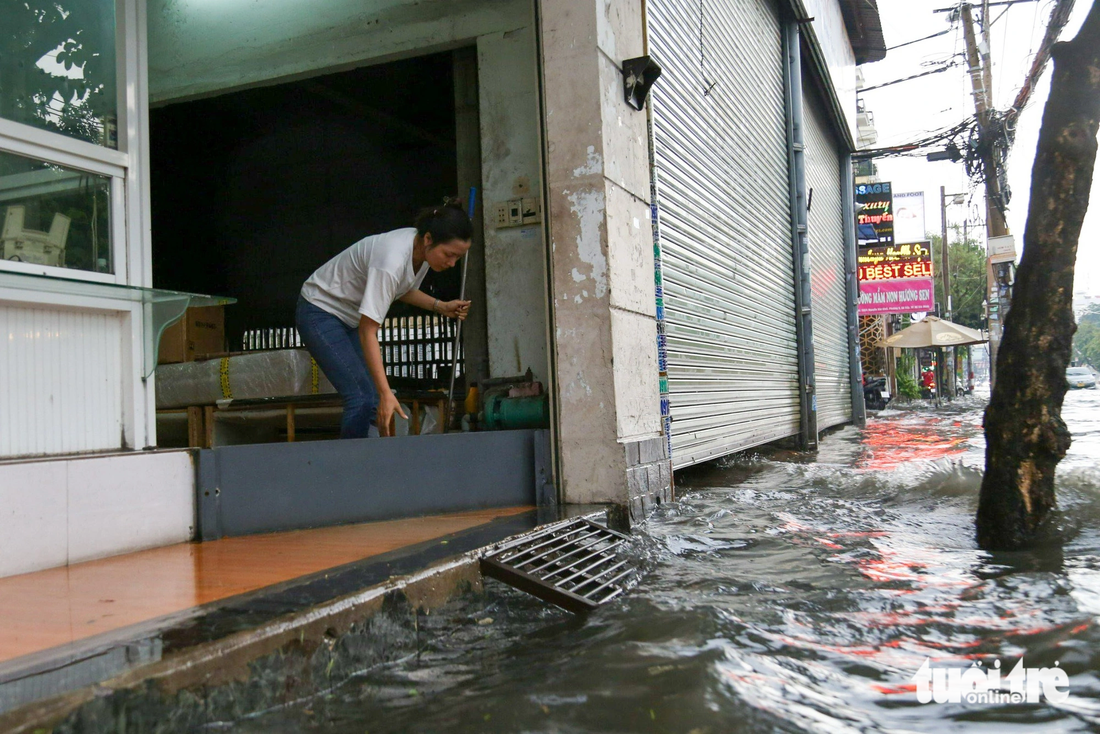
(366, 278)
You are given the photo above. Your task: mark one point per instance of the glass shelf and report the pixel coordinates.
(161, 308)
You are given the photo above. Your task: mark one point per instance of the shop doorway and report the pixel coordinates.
(252, 190)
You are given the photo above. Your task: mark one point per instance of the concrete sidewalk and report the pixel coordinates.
(207, 614)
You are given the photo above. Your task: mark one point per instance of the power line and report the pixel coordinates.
(937, 139)
(1003, 14)
(1059, 17)
(953, 8)
(943, 68)
(926, 38)
(1004, 42)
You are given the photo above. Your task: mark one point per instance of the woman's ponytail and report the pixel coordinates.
(445, 222)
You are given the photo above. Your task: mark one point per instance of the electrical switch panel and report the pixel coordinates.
(517, 212)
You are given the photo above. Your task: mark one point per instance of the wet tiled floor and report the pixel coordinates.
(47, 609)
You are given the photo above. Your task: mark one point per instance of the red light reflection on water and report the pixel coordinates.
(916, 599)
(938, 621)
(891, 690)
(889, 443)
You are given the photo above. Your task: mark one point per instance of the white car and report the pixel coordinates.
(1080, 377)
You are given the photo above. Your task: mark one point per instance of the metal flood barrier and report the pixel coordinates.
(266, 488)
(576, 565)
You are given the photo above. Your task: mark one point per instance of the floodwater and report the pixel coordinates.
(782, 595)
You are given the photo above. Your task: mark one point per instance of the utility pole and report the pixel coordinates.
(943, 254)
(987, 63)
(981, 81)
(969, 371)
(947, 386)
(979, 78)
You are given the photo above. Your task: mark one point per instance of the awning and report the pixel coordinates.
(932, 331)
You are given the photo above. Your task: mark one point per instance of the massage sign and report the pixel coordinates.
(875, 217)
(896, 279)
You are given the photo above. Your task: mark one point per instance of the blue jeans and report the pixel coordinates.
(336, 348)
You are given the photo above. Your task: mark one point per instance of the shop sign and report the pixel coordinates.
(895, 278)
(909, 217)
(913, 295)
(910, 260)
(875, 220)
(1001, 249)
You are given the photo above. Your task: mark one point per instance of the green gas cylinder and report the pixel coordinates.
(504, 413)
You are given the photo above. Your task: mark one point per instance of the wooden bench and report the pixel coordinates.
(201, 418)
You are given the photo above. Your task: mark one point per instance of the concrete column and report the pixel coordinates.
(603, 306)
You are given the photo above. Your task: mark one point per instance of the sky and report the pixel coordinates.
(905, 112)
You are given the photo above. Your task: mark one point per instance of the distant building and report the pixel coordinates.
(866, 136)
(1085, 300)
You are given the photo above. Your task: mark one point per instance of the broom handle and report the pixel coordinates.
(462, 297)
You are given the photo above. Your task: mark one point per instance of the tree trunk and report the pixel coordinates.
(1025, 435)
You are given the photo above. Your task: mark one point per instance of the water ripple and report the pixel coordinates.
(784, 594)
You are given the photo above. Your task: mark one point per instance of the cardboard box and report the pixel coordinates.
(200, 333)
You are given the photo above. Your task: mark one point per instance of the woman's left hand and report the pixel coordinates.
(455, 309)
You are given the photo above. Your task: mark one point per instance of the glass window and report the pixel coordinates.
(52, 215)
(57, 67)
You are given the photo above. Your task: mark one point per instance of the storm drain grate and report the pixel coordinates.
(573, 565)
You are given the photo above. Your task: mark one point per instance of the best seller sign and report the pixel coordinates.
(896, 279)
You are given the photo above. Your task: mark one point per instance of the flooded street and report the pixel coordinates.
(781, 595)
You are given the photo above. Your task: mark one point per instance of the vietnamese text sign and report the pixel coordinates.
(875, 220)
(895, 278)
(910, 260)
(895, 296)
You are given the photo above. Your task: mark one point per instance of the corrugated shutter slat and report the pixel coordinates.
(721, 158)
(827, 278)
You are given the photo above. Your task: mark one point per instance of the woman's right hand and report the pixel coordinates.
(387, 406)
(455, 309)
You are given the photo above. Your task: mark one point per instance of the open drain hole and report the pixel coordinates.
(576, 565)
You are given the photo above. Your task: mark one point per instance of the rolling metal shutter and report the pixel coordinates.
(828, 286)
(725, 230)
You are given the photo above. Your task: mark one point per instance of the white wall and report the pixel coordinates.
(830, 34)
(66, 374)
(63, 511)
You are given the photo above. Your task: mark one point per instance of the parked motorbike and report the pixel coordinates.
(875, 396)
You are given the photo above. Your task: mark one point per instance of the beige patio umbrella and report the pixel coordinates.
(932, 331)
